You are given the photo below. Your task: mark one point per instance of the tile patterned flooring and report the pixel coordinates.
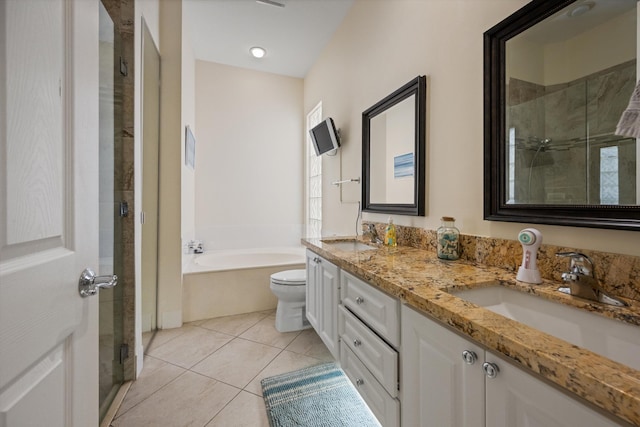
(208, 372)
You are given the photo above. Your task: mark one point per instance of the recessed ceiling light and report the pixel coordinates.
(580, 9)
(270, 3)
(257, 52)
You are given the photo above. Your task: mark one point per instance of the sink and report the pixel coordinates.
(349, 245)
(610, 338)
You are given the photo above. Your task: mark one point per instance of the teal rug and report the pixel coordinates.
(319, 396)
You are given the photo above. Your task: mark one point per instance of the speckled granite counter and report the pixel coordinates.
(419, 279)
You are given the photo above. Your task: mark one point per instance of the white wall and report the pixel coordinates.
(249, 151)
(149, 10)
(188, 119)
(591, 51)
(171, 152)
(380, 46)
(400, 140)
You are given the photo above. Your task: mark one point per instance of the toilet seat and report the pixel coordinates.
(290, 278)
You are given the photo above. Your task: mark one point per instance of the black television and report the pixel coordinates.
(324, 137)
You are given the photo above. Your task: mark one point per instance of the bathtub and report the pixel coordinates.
(227, 282)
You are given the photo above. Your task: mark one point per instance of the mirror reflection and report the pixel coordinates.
(568, 80)
(393, 161)
(392, 154)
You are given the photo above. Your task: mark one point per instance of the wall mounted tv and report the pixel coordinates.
(325, 138)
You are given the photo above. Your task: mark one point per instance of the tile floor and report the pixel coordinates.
(208, 373)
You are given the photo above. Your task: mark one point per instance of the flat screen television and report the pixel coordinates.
(324, 137)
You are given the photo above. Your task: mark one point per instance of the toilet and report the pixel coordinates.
(289, 287)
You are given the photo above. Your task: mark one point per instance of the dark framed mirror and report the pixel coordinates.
(393, 152)
(557, 77)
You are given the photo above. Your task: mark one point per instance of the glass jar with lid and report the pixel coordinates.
(448, 239)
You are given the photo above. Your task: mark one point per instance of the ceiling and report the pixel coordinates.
(223, 31)
(561, 26)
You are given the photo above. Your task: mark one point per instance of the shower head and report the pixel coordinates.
(542, 143)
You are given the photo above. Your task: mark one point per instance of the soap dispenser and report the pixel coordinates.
(390, 234)
(530, 239)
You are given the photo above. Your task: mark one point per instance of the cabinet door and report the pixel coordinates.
(517, 399)
(328, 288)
(438, 387)
(312, 298)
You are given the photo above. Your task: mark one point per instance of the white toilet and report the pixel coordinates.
(290, 288)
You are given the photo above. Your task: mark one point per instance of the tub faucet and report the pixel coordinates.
(195, 247)
(371, 232)
(582, 280)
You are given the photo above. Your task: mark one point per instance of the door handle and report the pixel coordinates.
(89, 283)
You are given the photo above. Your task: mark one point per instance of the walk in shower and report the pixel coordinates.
(112, 210)
(562, 146)
(567, 85)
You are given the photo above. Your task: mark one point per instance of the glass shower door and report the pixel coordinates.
(111, 372)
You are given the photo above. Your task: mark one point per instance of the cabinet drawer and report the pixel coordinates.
(377, 309)
(384, 407)
(375, 354)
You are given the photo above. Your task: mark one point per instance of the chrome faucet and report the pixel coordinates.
(372, 233)
(582, 280)
(194, 247)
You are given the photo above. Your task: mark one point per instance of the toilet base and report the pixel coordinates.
(291, 316)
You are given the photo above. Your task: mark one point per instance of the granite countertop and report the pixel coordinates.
(421, 280)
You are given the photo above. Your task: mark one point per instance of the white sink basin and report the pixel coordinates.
(349, 245)
(613, 339)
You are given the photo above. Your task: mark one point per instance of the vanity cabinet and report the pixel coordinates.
(369, 330)
(448, 380)
(322, 299)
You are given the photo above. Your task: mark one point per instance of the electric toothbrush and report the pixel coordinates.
(530, 239)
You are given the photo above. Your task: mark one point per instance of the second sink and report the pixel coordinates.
(613, 339)
(349, 245)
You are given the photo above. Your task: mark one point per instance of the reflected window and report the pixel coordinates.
(609, 161)
(511, 166)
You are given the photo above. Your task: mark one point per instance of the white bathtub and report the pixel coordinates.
(226, 282)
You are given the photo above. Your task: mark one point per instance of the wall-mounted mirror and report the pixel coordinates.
(558, 76)
(393, 152)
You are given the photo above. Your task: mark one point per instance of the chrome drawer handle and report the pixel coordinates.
(359, 382)
(490, 369)
(357, 342)
(359, 300)
(469, 357)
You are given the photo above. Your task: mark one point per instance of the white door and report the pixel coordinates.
(48, 212)
(312, 302)
(518, 399)
(441, 385)
(328, 290)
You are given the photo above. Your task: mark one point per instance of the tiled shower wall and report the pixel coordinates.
(554, 171)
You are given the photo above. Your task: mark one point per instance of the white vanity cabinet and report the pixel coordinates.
(323, 297)
(369, 329)
(445, 383)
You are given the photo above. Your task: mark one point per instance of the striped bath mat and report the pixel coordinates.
(321, 395)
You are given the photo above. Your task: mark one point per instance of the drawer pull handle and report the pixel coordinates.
(357, 342)
(359, 382)
(490, 369)
(469, 357)
(359, 300)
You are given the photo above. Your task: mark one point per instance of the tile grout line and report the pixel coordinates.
(233, 336)
(243, 389)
